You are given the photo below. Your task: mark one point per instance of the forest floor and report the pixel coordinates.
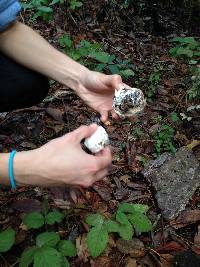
(165, 80)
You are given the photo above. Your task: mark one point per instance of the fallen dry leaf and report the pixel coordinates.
(185, 218)
(130, 262)
(81, 246)
(170, 246)
(134, 247)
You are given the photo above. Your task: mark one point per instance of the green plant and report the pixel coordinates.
(153, 81)
(75, 4)
(48, 251)
(7, 239)
(41, 8)
(194, 91)
(186, 47)
(35, 220)
(129, 217)
(93, 56)
(164, 139)
(189, 49)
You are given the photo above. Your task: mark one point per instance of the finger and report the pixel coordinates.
(114, 115)
(113, 80)
(104, 158)
(122, 85)
(84, 132)
(101, 174)
(104, 115)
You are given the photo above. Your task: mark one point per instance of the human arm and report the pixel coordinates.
(28, 48)
(61, 161)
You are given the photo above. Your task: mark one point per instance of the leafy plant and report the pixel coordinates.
(75, 4)
(35, 220)
(7, 239)
(164, 139)
(186, 47)
(189, 49)
(194, 91)
(128, 218)
(48, 251)
(93, 56)
(41, 8)
(153, 81)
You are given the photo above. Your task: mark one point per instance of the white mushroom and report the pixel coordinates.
(128, 101)
(97, 141)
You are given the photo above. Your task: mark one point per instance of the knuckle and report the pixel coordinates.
(88, 182)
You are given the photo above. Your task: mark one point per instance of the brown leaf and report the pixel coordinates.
(134, 247)
(185, 218)
(27, 205)
(166, 260)
(104, 191)
(103, 261)
(130, 262)
(56, 114)
(81, 246)
(171, 246)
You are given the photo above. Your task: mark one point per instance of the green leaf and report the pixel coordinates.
(184, 52)
(54, 2)
(185, 40)
(97, 240)
(47, 257)
(67, 248)
(174, 116)
(127, 73)
(102, 57)
(114, 69)
(27, 257)
(7, 239)
(33, 220)
(121, 217)
(140, 222)
(45, 9)
(65, 41)
(94, 219)
(131, 208)
(48, 238)
(100, 67)
(65, 262)
(126, 231)
(111, 226)
(54, 217)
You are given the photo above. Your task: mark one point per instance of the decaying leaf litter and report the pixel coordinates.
(164, 80)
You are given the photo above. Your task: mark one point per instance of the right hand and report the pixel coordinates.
(62, 161)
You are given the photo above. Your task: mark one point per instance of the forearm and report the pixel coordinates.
(28, 48)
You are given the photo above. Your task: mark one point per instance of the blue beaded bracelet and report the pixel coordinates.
(10, 169)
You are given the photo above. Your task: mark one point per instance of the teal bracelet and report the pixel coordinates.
(10, 169)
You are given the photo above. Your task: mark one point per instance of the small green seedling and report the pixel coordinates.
(128, 219)
(164, 139)
(35, 220)
(48, 251)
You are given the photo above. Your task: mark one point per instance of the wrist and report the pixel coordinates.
(24, 168)
(71, 73)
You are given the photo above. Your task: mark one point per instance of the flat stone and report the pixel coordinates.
(175, 179)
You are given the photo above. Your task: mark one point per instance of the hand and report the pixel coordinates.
(62, 161)
(97, 90)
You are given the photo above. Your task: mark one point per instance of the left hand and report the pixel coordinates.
(97, 91)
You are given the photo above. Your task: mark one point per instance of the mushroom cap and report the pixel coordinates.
(128, 102)
(97, 141)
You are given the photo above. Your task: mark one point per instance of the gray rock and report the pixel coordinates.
(175, 179)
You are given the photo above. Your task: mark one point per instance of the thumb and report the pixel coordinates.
(85, 131)
(113, 81)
